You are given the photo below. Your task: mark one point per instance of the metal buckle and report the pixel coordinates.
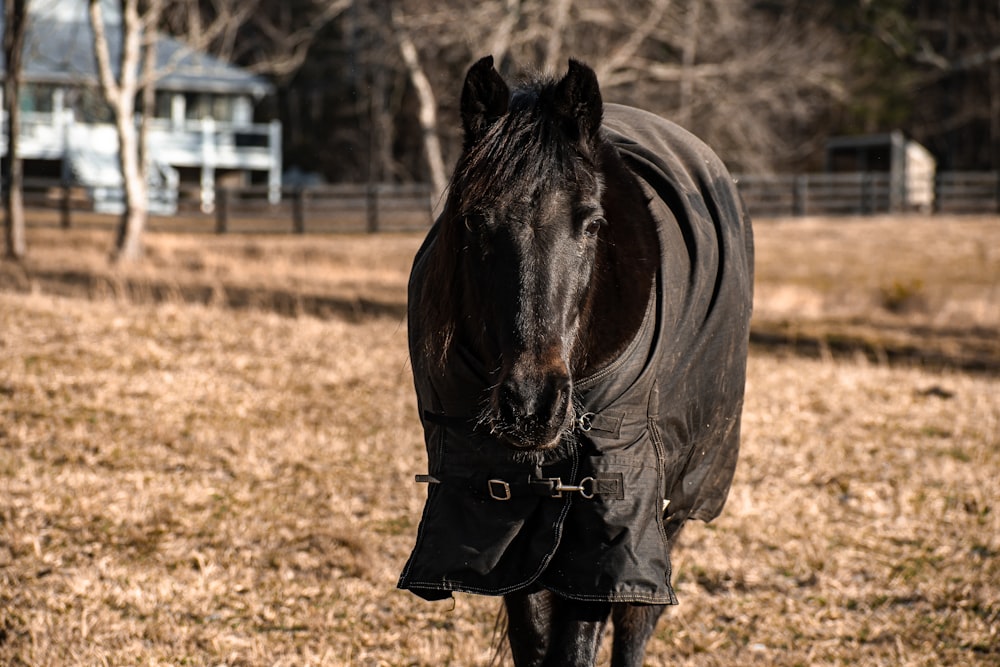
(585, 422)
(499, 489)
(558, 488)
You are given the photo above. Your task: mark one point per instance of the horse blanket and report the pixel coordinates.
(658, 439)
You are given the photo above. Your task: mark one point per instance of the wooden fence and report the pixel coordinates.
(315, 209)
(817, 194)
(395, 207)
(329, 208)
(864, 193)
(968, 192)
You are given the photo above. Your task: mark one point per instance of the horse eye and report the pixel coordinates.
(593, 226)
(474, 222)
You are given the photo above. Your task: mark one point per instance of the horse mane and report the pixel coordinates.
(434, 331)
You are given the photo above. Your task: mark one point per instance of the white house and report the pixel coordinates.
(202, 130)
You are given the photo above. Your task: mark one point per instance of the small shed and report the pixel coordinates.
(908, 168)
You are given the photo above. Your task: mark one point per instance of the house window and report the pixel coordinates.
(195, 106)
(37, 98)
(164, 101)
(222, 107)
(89, 105)
(199, 106)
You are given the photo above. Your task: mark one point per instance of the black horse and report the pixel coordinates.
(578, 324)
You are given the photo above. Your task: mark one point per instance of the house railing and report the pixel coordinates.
(207, 145)
(236, 145)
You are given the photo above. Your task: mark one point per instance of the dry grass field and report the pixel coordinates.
(207, 459)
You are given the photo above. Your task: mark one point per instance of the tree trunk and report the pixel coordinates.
(120, 95)
(128, 245)
(15, 25)
(428, 106)
(128, 242)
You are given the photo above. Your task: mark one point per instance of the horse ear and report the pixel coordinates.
(578, 100)
(485, 97)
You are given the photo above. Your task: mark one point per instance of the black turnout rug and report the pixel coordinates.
(658, 438)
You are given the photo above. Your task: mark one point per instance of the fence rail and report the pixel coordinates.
(817, 194)
(865, 193)
(324, 209)
(395, 207)
(968, 192)
(331, 208)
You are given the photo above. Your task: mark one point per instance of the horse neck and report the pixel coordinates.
(624, 271)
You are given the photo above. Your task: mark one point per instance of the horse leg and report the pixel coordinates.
(576, 633)
(547, 631)
(634, 623)
(633, 626)
(529, 621)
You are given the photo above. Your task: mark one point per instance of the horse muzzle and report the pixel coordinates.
(531, 413)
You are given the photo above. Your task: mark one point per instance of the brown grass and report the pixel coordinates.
(194, 484)
(924, 289)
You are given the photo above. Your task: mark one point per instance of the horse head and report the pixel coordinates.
(525, 204)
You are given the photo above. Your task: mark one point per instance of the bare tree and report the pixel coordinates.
(271, 37)
(626, 50)
(138, 45)
(187, 18)
(503, 33)
(137, 73)
(426, 42)
(748, 80)
(15, 27)
(428, 104)
(957, 52)
(553, 47)
(736, 73)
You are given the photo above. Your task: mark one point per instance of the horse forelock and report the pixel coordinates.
(525, 152)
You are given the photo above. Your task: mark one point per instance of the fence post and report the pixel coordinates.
(299, 210)
(64, 206)
(430, 204)
(996, 175)
(800, 188)
(936, 196)
(371, 207)
(222, 211)
(865, 183)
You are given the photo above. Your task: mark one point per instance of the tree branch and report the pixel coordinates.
(553, 48)
(101, 52)
(627, 50)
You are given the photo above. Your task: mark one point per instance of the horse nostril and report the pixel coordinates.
(539, 400)
(560, 389)
(509, 403)
(516, 402)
